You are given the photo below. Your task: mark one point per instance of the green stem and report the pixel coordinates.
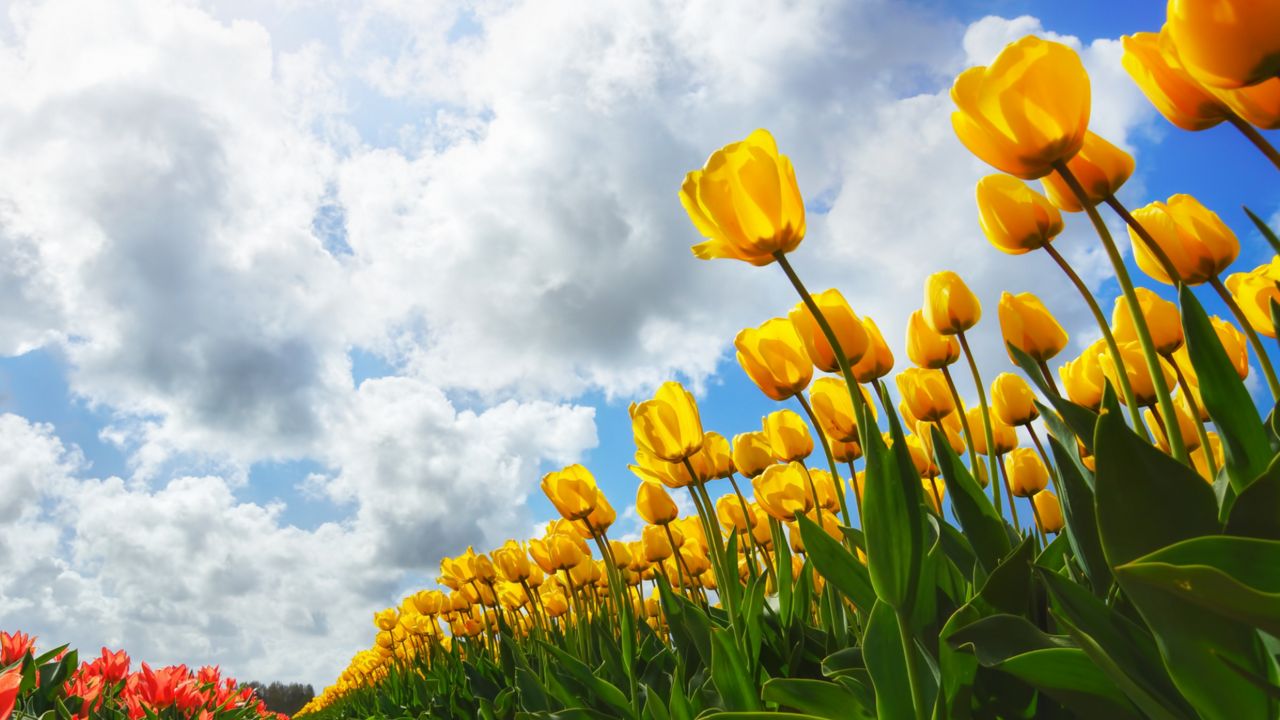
(748, 517)
(1178, 448)
(1048, 378)
(1264, 360)
(1044, 456)
(1044, 539)
(913, 674)
(831, 458)
(1256, 138)
(857, 499)
(1130, 401)
(1013, 500)
(964, 425)
(1169, 268)
(986, 415)
(1201, 432)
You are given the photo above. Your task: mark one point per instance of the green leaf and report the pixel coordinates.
(1070, 677)
(983, 527)
(1256, 512)
(1267, 232)
(882, 647)
(1244, 439)
(958, 668)
(600, 689)
(1008, 588)
(1080, 517)
(818, 698)
(892, 515)
(1080, 419)
(837, 565)
(760, 715)
(729, 672)
(996, 638)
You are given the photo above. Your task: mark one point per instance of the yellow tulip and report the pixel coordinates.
(1167, 84)
(1196, 240)
(1048, 512)
(1136, 370)
(657, 546)
(1254, 292)
(1015, 218)
(857, 483)
(1025, 111)
(1200, 460)
(921, 451)
(717, 456)
(654, 505)
(1006, 438)
(1226, 43)
(845, 451)
(572, 490)
(564, 552)
(1234, 343)
(513, 562)
(602, 517)
(1101, 168)
(926, 347)
(1186, 425)
(760, 529)
(1027, 474)
(845, 324)
(877, 361)
(1027, 324)
(731, 515)
(1257, 104)
(1012, 400)
(952, 428)
(650, 468)
(1163, 320)
(386, 619)
(925, 393)
(556, 605)
(1182, 361)
(826, 488)
(1082, 378)
(829, 398)
(429, 602)
(788, 436)
(668, 426)
(773, 357)
(950, 307)
(934, 490)
(782, 491)
(745, 202)
(751, 453)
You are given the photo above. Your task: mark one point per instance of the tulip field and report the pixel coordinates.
(1091, 536)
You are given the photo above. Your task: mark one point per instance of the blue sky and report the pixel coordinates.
(322, 292)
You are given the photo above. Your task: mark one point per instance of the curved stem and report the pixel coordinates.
(1048, 378)
(1035, 511)
(813, 490)
(748, 517)
(1013, 505)
(857, 497)
(1165, 263)
(986, 414)
(1130, 401)
(964, 425)
(1179, 449)
(1264, 360)
(831, 459)
(1256, 138)
(1201, 432)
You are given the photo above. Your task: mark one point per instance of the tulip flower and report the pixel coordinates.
(745, 202)
(1006, 438)
(1254, 292)
(1025, 111)
(847, 326)
(1048, 512)
(1028, 325)
(877, 361)
(1101, 168)
(1015, 218)
(730, 513)
(788, 436)
(1083, 379)
(512, 562)
(668, 425)
(1167, 84)
(1208, 459)
(1226, 43)
(1258, 105)
(716, 455)
(921, 455)
(773, 356)
(934, 490)
(926, 347)
(572, 490)
(564, 552)
(657, 546)
(925, 393)
(829, 398)
(1012, 400)
(826, 488)
(1027, 474)
(751, 453)
(1163, 320)
(654, 505)
(1186, 426)
(1234, 343)
(782, 491)
(1139, 377)
(386, 619)
(844, 452)
(10, 683)
(1193, 237)
(950, 307)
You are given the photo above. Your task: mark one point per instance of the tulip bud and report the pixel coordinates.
(774, 358)
(1027, 474)
(386, 619)
(1015, 218)
(844, 323)
(829, 398)
(654, 505)
(572, 491)
(1082, 378)
(788, 436)
(844, 451)
(1101, 169)
(1162, 318)
(1258, 105)
(668, 426)
(1194, 238)
(1025, 111)
(921, 451)
(731, 515)
(1226, 43)
(826, 488)
(513, 562)
(926, 347)
(1168, 85)
(1234, 343)
(951, 427)
(1186, 425)
(1135, 367)
(1200, 460)
(653, 469)
(1254, 292)
(877, 361)
(950, 307)
(934, 490)
(751, 453)
(925, 393)
(1048, 511)
(657, 546)
(760, 529)
(782, 491)
(746, 202)
(1012, 400)
(1027, 325)
(564, 551)
(716, 456)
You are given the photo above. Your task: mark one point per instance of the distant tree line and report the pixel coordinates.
(282, 698)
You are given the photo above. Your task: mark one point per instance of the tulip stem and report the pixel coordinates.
(1035, 511)
(831, 459)
(986, 414)
(1256, 138)
(964, 425)
(1264, 360)
(913, 673)
(1201, 433)
(857, 495)
(1048, 378)
(1166, 264)
(1130, 401)
(1013, 504)
(747, 518)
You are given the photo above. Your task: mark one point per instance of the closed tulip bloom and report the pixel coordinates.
(650, 468)
(1234, 343)
(782, 491)
(950, 307)
(1014, 217)
(1101, 168)
(829, 398)
(1254, 292)
(668, 425)
(1025, 111)
(1136, 369)
(1259, 104)
(934, 489)
(952, 429)
(1163, 320)
(717, 456)
(654, 505)
(1201, 461)
(730, 514)
(1027, 474)
(788, 436)
(926, 347)
(877, 361)
(751, 453)
(827, 489)
(774, 358)
(1006, 438)
(563, 552)
(386, 619)
(1196, 240)
(925, 393)
(1186, 425)
(1182, 361)
(1048, 512)
(513, 562)
(921, 451)
(1226, 43)
(760, 529)
(1082, 378)
(1027, 324)
(845, 324)
(1012, 400)
(844, 451)
(1167, 84)
(657, 546)
(572, 490)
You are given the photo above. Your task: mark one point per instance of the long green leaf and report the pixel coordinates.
(892, 515)
(1080, 516)
(837, 565)
(1082, 420)
(818, 698)
(983, 527)
(1256, 512)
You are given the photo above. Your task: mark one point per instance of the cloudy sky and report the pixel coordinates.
(296, 297)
